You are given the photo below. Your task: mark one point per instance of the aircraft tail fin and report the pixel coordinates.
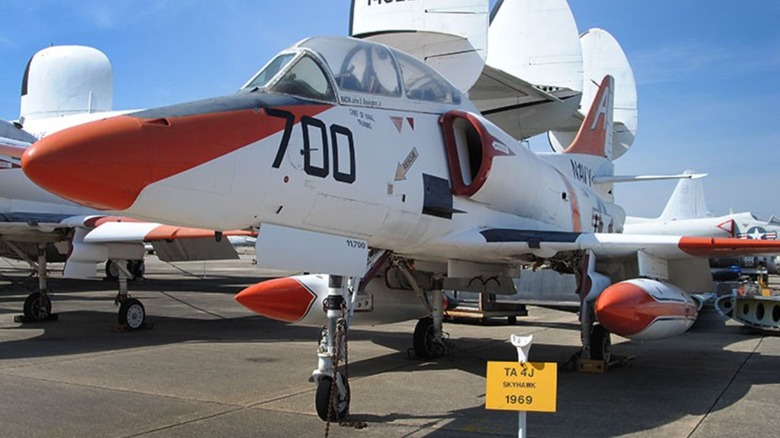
(449, 35)
(602, 55)
(64, 80)
(595, 134)
(687, 200)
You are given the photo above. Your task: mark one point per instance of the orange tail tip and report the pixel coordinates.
(595, 134)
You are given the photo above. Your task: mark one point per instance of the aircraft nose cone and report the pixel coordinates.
(283, 299)
(98, 164)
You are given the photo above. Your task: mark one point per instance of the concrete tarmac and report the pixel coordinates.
(208, 367)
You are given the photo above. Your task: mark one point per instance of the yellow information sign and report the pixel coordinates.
(527, 386)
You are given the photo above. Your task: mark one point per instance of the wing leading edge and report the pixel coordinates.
(513, 244)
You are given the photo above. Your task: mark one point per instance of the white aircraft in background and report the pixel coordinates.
(686, 213)
(64, 86)
(357, 160)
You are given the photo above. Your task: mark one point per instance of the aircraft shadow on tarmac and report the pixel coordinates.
(693, 375)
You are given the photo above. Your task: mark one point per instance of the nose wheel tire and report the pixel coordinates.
(132, 314)
(37, 307)
(339, 408)
(600, 344)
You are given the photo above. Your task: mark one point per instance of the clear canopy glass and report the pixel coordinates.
(353, 66)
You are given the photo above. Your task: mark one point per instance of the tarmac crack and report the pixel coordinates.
(125, 390)
(726, 387)
(200, 309)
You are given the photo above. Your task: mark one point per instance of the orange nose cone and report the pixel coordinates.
(94, 164)
(620, 309)
(282, 299)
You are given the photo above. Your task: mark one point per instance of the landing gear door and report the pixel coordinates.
(292, 250)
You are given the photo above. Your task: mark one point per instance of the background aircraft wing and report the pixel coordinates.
(13, 140)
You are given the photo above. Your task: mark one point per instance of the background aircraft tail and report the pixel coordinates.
(66, 80)
(687, 200)
(537, 41)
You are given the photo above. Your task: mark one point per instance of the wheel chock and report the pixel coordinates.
(21, 319)
(121, 328)
(594, 366)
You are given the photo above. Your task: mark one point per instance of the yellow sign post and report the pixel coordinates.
(522, 386)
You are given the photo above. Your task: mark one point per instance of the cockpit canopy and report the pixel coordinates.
(313, 68)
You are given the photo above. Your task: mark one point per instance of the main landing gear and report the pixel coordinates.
(600, 344)
(37, 305)
(428, 339)
(132, 314)
(596, 352)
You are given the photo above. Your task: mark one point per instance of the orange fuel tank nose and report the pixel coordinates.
(283, 299)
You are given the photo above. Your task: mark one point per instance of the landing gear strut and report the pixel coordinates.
(333, 396)
(135, 267)
(600, 344)
(37, 305)
(132, 315)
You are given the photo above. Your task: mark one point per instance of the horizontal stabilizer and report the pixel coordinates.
(637, 178)
(518, 107)
(449, 35)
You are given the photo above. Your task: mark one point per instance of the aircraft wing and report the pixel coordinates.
(76, 238)
(520, 108)
(514, 244)
(171, 243)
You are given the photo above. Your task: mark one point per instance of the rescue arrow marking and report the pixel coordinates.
(400, 171)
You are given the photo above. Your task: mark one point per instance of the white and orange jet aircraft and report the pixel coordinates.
(360, 161)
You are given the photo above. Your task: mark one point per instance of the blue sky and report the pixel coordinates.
(707, 73)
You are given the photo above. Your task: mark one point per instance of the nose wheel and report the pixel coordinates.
(332, 404)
